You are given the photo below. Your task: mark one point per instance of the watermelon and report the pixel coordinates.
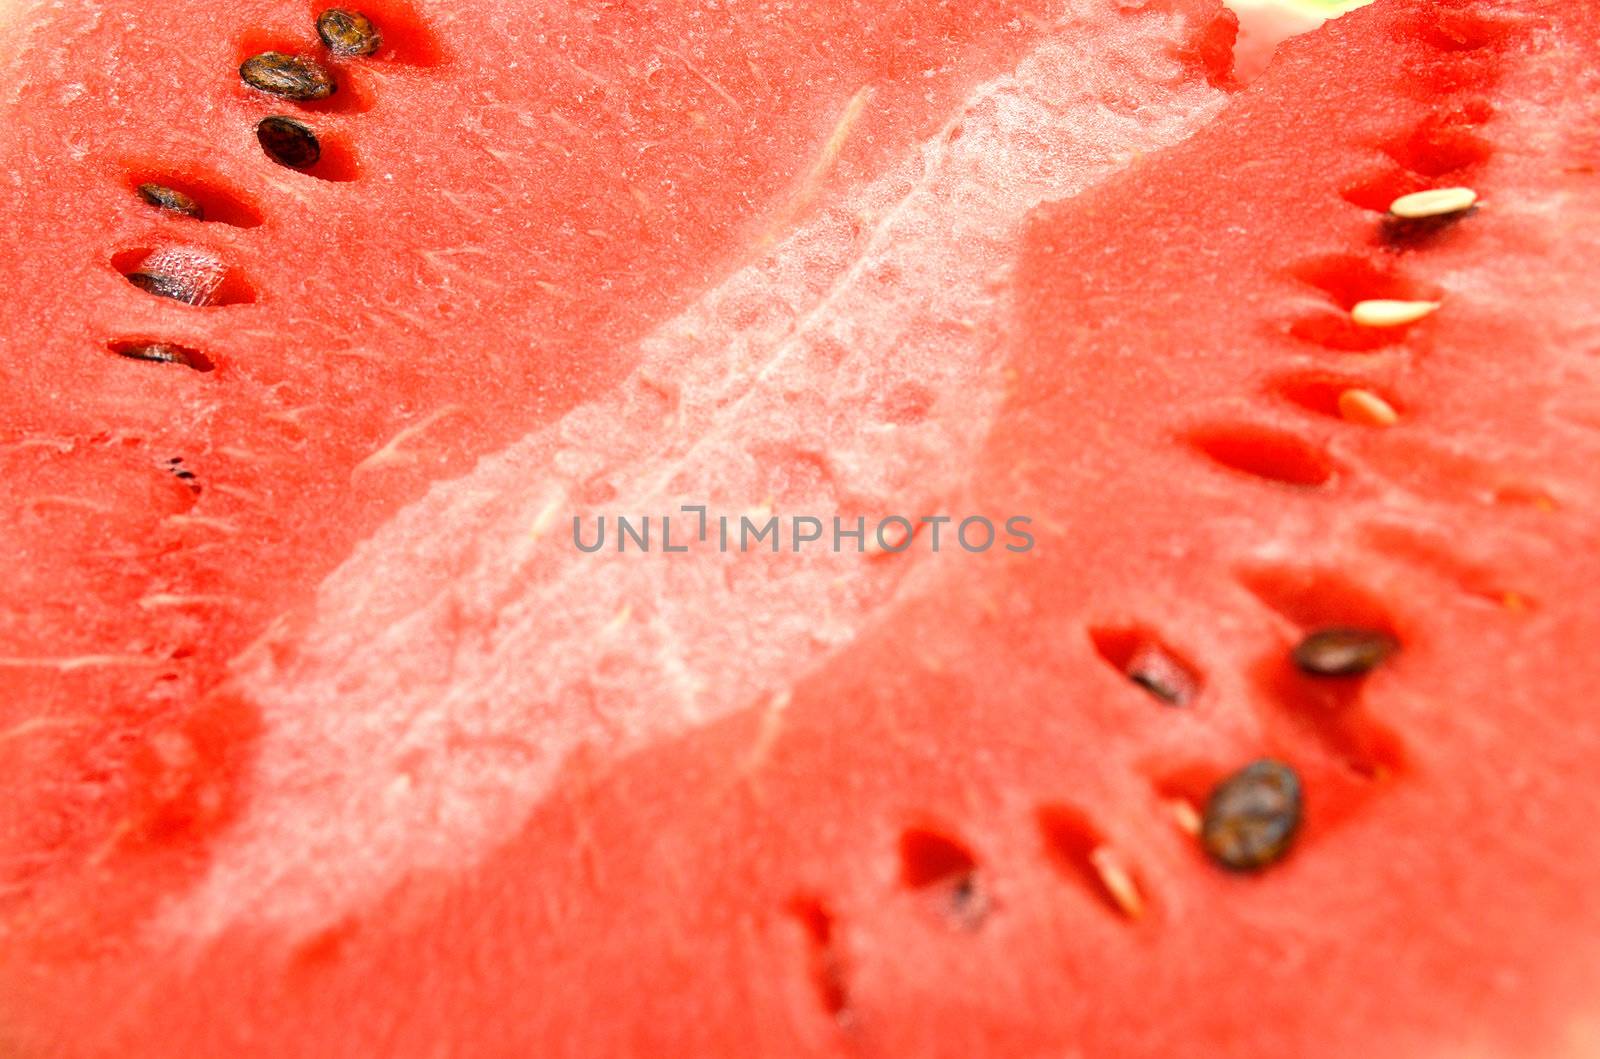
(327, 738)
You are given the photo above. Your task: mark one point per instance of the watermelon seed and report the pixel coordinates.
(1079, 852)
(1367, 408)
(162, 353)
(286, 76)
(288, 142)
(1118, 882)
(1146, 662)
(1383, 312)
(1343, 651)
(171, 200)
(1185, 815)
(348, 33)
(1265, 453)
(1251, 817)
(1438, 202)
(163, 285)
(1162, 676)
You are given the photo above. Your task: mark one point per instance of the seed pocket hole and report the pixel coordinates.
(187, 275)
(1076, 850)
(1439, 146)
(930, 859)
(1454, 30)
(1333, 329)
(1378, 189)
(1149, 664)
(1264, 453)
(826, 966)
(1331, 711)
(216, 203)
(1442, 559)
(157, 352)
(940, 865)
(1401, 233)
(1183, 792)
(1330, 395)
(1313, 598)
(406, 38)
(1348, 279)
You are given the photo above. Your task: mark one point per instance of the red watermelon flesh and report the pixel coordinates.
(928, 845)
(353, 333)
(382, 333)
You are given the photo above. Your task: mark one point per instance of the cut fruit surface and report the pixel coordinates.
(323, 723)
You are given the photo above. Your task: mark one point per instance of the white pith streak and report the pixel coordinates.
(483, 647)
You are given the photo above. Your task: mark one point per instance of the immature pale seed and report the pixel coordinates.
(172, 201)
(348, 32)
(287, 77)
(288, 142)
(1439, 202)
(1342, 651)
(1382, 312)
(1367, 408)
(1251, 818)
(1185, 815)
(1119, 884)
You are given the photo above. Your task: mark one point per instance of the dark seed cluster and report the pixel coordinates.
(287, 77)
(285, 140)
(1251, 818)
(170, 200)
(1341, 651)
(348, 33)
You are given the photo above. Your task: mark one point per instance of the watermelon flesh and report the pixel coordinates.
(482, 792)
(328, 409)
(852, 370)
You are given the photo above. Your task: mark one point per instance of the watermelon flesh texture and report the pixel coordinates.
(905, 852)
(323, 407)
(329, 408)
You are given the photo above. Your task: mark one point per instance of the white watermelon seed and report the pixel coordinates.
(1384, 312)
(1438, 202)
(1186, 815)
(1367, 408)
(1124, 892)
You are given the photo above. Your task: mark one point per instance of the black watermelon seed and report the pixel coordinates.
(1252, 816)
(289, 142)
(163, 353)
(287, 77)
(1343, 652)
(163, 285)
(165, 198)
(348, 32)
